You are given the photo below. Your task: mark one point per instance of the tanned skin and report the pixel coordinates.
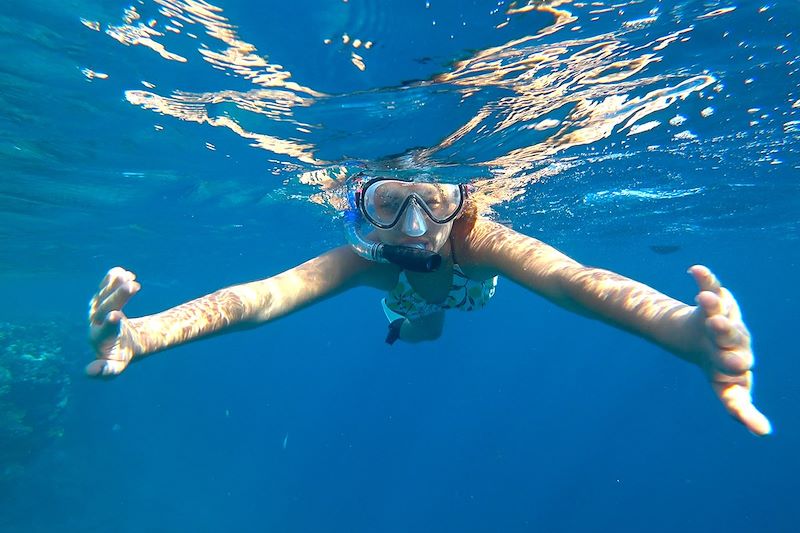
(710, 334)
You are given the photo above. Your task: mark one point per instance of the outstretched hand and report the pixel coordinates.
(727, 357)
(109, 335)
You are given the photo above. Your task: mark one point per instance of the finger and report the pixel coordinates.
(727, 334)
(113, 279)
(738, 402)
(711, 303)
(107, 329)
(731, 363)
(731, 305)
(114, 272)
(115, 301)
(705, 279)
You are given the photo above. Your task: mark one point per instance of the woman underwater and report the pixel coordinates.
(430, 251)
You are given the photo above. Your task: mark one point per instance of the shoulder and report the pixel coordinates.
(494, 247)
(481, 235)
(472, 243)
(487, 238)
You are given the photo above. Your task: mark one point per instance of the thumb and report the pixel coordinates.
(105, 368)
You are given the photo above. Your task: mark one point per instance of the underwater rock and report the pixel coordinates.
(34, 391)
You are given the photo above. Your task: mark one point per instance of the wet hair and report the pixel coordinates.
(465, 222)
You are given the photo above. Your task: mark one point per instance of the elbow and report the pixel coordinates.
(569, 288)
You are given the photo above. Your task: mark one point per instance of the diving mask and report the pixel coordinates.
(384, 202)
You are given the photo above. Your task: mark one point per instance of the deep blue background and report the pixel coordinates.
(521, 417)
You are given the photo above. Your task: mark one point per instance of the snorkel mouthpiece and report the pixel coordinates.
(409, 258)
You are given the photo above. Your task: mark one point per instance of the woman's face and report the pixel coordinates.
(411, 207)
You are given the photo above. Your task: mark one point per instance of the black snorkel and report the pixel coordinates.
(409, 258)
(406, 257)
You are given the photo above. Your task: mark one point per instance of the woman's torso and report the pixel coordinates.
(459, 283)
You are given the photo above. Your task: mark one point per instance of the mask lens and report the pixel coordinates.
(383, 201)
(441, 201)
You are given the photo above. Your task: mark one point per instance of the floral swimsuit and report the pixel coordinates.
(465, 294)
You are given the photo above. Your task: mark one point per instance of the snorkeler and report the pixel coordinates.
(424, 244)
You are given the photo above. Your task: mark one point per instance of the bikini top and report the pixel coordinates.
(465, 294)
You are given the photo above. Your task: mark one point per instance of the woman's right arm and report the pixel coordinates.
(118, 340)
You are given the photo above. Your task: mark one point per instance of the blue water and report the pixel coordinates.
(522, 417)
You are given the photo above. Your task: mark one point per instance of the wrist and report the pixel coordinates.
(132, 336)
(690, 336)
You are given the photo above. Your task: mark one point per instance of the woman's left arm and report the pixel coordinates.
(711, 334)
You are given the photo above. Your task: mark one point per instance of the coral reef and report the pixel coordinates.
(34, 391)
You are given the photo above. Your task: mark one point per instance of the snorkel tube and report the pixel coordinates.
(406, 257)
